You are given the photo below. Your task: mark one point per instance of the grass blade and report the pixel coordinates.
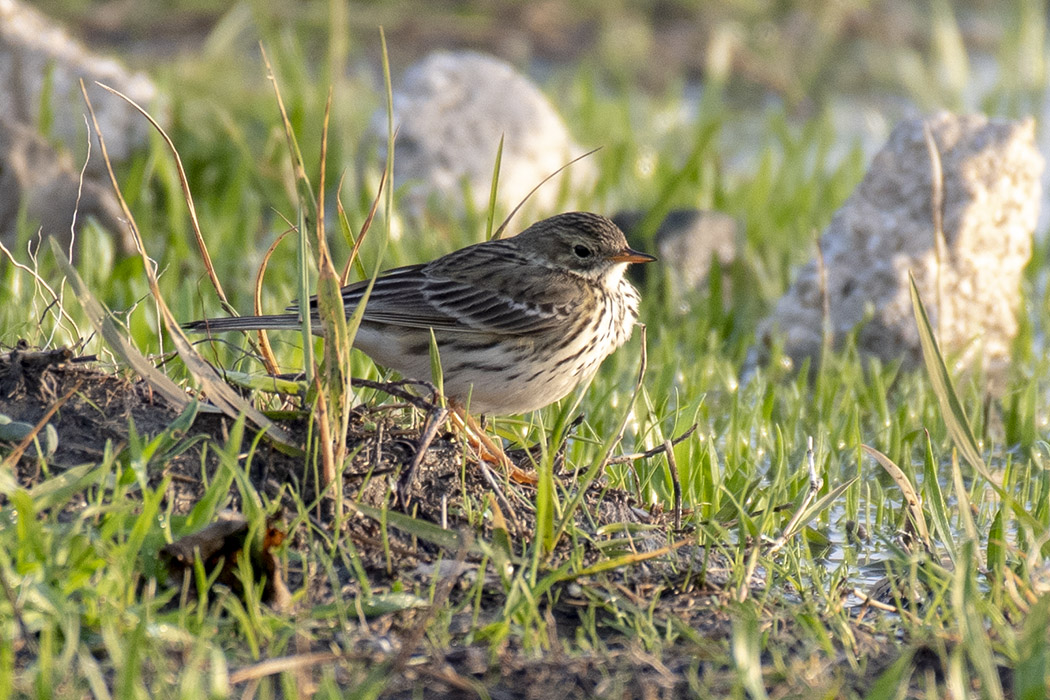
(494, 189)
(935, 499)
(220, 393)
(908, 490)
(951, 408)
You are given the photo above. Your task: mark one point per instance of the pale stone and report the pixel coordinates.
(451, 109)
(45, 182)
(687, 243)
(39, 59)
(991, 192)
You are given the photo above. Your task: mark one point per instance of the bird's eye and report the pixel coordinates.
(582, 251)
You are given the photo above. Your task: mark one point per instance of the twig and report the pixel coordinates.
(874, 602)
(870, 602)
(433, 423)
(499, 231)
(394, 389)
(635, 456)
(38, 358)
(55, 299)
(676, 482)
(490, 477)
(281, 664)
(16, 454)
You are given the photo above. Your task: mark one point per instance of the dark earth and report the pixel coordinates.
(95, 406)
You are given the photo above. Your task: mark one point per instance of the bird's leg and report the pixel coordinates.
(487, 449)
(482, 443)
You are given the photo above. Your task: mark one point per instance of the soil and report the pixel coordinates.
(683, 589)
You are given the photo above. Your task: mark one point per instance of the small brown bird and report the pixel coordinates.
(519, 322)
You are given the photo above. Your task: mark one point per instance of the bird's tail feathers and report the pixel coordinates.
(244, 323)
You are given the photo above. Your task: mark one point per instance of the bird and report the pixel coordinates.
(519, 321)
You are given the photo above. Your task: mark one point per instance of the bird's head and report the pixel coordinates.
(586, 244)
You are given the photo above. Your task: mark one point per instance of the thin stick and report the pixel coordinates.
(635, 456)
(272, 667)
(185, 184)
(490, 477)
(676, 483)
(16, 454)
(499, 231)
(433, 423)
(394, 389)
(55, 299)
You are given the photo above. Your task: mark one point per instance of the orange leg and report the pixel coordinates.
(486, 448)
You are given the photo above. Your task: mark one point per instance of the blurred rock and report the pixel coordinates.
(451, 109)
(33, 173)
(991, 194)
(687, 242)
(38, 59)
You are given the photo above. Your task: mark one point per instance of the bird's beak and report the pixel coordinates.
(632, 256)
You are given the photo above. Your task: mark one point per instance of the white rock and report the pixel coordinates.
(991, 189)
(36, 55)
(451, 109)
(45, 182)
(687, 243)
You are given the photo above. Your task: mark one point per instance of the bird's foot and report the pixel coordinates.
(487, 449)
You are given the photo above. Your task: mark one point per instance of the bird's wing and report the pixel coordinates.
(437, 297)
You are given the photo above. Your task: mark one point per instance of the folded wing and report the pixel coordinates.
(424, 296)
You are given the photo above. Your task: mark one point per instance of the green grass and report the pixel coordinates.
(91, 595)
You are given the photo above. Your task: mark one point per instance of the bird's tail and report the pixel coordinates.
(244, 323)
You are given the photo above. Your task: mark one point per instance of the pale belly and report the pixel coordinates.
(498, 376)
